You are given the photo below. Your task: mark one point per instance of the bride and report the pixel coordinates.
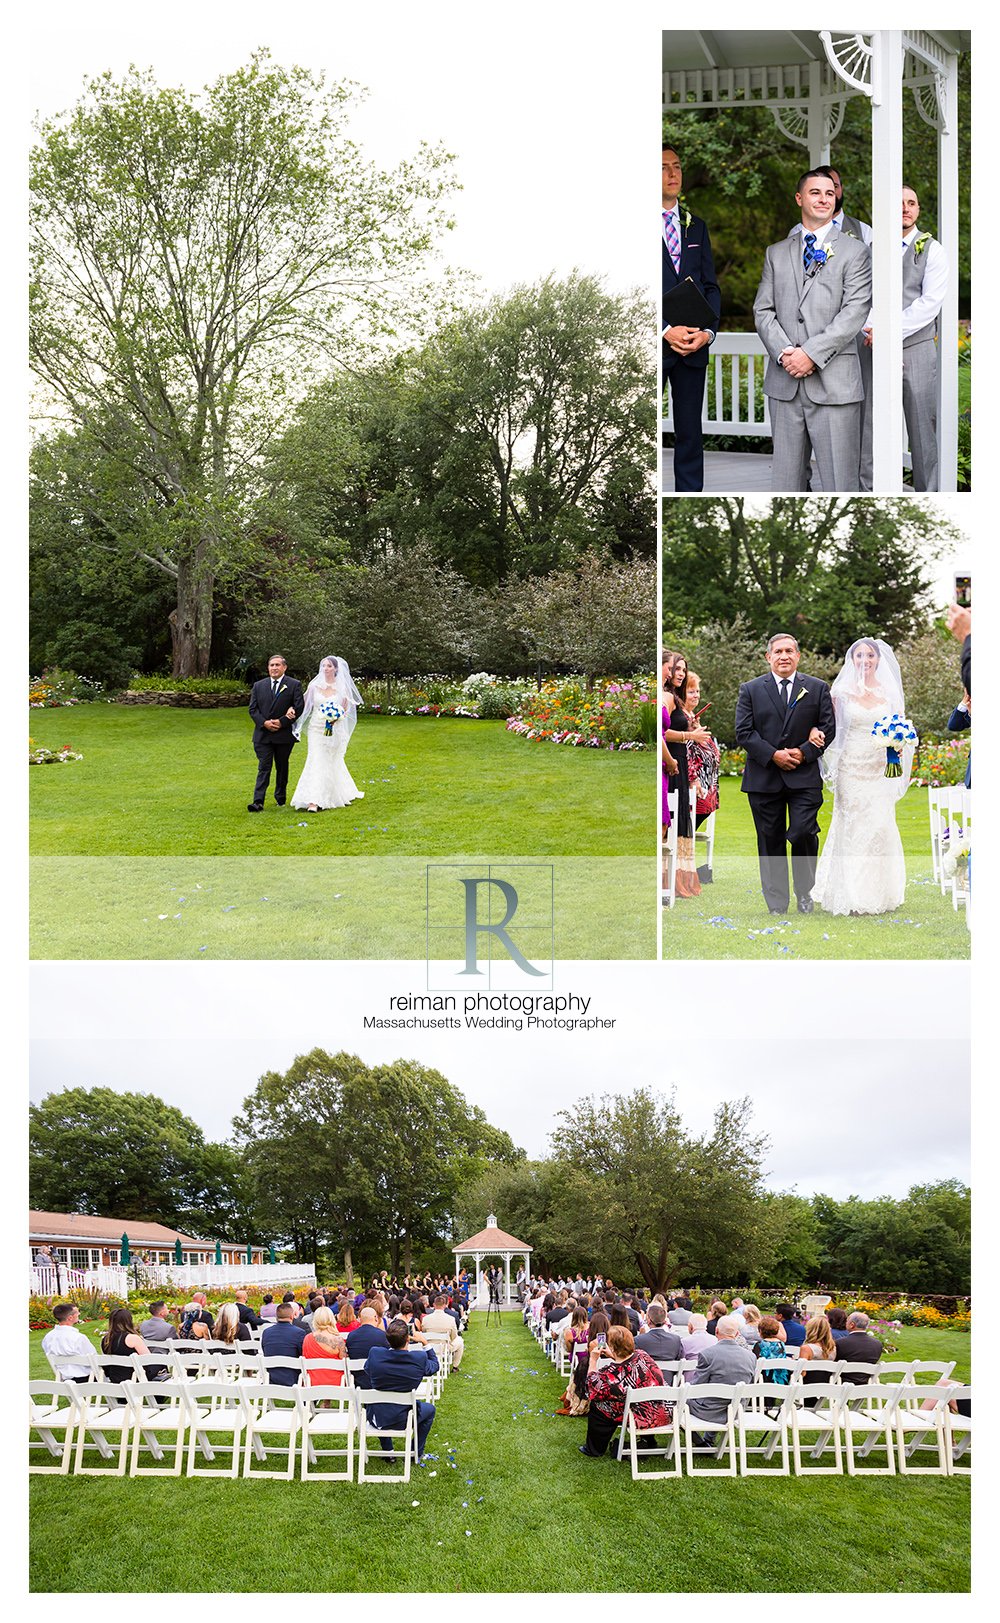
(329, 717)
(861, 867)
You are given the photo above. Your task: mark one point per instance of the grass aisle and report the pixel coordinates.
(730, 920)
(513, 1507)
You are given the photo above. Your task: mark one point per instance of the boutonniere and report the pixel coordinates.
(684, 211)
(281, 687)
(921, 243)
(800, 695)
(820, 256)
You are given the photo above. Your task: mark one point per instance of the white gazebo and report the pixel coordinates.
(805, 80)
(492, 1242)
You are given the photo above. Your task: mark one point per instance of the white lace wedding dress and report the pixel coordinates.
(861, 867)
(325, 780)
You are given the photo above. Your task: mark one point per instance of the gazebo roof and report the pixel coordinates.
(685, 49)
(491, 1239)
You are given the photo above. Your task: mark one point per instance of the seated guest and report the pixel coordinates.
(316, 1299)
(360, 1342)
(836, 1318)
(859, 1346)
(323, 1341)
(751, 1325)
(157, 1327)
(819, 1344)
(696, 1341)
(795, 1332)
(628, 1303)
(620, 1318)
(441, 1323)
(347, 1320)
(283, 1339)
(246, 1313)
(269, 1308)
(657, 1341)
(609, 1380)
(400, 1367)
(196, 1312)
(725, 1364)
(716, 1312)
(229, 1328)
(288, 1300)
(770, 1344)
(575, 1339)
(679, 1311)
(64, 1340)
(122, 1338)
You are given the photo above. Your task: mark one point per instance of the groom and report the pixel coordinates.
(275, 702)
(774, 717)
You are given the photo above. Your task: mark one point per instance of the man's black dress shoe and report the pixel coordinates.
(253, 806)
(806, 904)
(777, 910)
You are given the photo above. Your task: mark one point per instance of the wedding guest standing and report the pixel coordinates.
(686, 253)
(678, 735)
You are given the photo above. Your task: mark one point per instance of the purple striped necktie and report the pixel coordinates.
(673, 241)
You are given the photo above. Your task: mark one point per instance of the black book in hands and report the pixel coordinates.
(686, 306)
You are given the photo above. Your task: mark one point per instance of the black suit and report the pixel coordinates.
(784, 804)
(273, 746)
(685, 374)
(858, 1347)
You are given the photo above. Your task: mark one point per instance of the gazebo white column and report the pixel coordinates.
(947, 233)
(887, 259)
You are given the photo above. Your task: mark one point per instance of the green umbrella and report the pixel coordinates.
(249, 1252)
(218, 1253)
(178, 1253)
(272, 1258)
(126, 1253)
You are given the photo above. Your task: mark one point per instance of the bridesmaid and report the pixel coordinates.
(679, 732)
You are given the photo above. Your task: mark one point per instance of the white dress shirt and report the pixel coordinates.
(62, 1342)
(927, 307)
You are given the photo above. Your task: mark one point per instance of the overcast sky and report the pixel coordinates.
(553, 120)
(857, 1116)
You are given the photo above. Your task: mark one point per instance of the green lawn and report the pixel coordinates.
(145, 849)
(730, 920)
(540, 1516)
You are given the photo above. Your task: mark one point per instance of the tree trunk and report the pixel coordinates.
(394, 1257)
(191, 620)
(407, 1256)
(349, 1268)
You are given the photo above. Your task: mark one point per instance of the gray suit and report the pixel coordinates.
(821, 312)
(920, 374)
(725, 1364)
(660, 1343)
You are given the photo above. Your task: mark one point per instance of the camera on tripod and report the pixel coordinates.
(493, 1279)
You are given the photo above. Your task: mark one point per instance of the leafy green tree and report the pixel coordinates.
(193, 260)
(919, 1244)
(126, 1155)
(598, 618)
(932, 679)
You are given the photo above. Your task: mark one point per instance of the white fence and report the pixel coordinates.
(144, 1276)
(736, 363)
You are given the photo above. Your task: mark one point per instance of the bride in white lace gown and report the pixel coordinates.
(328, 720)
(862, 868)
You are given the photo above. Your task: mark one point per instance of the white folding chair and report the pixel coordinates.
(272, 1411)
(367, 1429)
(755, 1418)
(958, 1431)
(672, 1370)
(327, 1413)
(669, 852)
(632, 1432)
(158, 1410)
(60, 1362)
(689, 1423)
(920, 1428)
(103, 1413)
(868, 1413)
(934, 811)
(920, 1366)
(216, 1410)
(706, 832)
(959, 810)
(52, 1408)
(812, 1415)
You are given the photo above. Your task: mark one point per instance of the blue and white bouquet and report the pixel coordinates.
(894, 731)
(330, 712)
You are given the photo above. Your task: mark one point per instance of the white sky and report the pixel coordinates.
(856, 1116)
(551, 110)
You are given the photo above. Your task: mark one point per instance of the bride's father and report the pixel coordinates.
(813, 300)
(775, 715)
(275, 702)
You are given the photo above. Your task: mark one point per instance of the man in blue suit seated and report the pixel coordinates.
(400, 1368)
(686, 252)
(283, 1339)
(361, 1341)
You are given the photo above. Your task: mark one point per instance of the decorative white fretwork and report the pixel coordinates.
(851, 58)
(793, 122)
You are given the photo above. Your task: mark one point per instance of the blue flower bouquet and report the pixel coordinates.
(894, 731)
(330, 712)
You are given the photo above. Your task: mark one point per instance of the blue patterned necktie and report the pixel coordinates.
(673, 241)
(807, 252)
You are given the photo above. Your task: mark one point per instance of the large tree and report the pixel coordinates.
(194, 259)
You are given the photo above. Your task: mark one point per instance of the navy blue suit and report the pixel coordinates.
(282, 1339)
(392, 1369)
(684, 375)
(959, 722)
(360, 1343)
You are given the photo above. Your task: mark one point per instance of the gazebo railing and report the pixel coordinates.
(735, 402)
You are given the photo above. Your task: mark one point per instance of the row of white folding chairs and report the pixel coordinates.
(204, 1360)
(668, 854)
(950, 811)
(850, 1423)
(201, 1415)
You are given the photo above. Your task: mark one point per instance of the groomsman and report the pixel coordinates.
(925, 283)
(813, 300)
(686, 252)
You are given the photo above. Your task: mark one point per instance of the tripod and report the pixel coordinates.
(493, 1307)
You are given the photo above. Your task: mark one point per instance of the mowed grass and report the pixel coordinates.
(163, 782)
(145, 849)
(513, 1507)
(730, 919)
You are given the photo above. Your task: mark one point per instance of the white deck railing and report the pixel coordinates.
(52, 1282)
(736, 363)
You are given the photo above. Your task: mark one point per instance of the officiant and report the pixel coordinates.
(691, 308)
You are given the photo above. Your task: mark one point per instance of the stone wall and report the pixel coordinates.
(188, 701)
